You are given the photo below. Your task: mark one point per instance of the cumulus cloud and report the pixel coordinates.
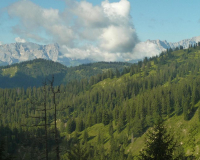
(101, 32)
(91, 52)
(145, 49)
(121, 8)
(118, 39)
(20, 40)
(35, 19)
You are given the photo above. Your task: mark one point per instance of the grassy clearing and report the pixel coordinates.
(9, 71)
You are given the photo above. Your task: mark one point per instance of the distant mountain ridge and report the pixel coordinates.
(163, 45)
(18, 52)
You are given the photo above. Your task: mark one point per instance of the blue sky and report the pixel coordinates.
(111, 29)
(170, 20)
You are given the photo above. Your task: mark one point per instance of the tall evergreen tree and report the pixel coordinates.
(2, 151)
(159, 145)
(85, 136)
(111, 130)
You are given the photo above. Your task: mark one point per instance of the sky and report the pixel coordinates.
(101, 29)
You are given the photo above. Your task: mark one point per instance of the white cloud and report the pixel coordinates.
(118, 39)
(145, 49)
(89, 15)
(102, 32)
(90, 52)
(1, 43)
(121, 8)
(35, 19)
(20, 40)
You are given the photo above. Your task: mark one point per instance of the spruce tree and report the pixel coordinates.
(111, 130)
(159, 144)
(2, 152)
(85, 136)
(78, 152)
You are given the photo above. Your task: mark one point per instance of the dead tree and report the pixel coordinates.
(54, 92)
(45, 120)
(44, 110)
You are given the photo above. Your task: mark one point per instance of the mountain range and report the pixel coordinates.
(18, 52)
(163, 45)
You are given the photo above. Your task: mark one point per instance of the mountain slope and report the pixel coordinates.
(112, 111)
(30, 73)
(167, 85)
(33, 73)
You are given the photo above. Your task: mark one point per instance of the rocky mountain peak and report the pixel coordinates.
(163, 45)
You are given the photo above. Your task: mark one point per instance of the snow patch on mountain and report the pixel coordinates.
(18, 52)
(163, 45)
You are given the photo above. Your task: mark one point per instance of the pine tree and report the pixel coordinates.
(121, 154)
(111, 130)
(185, 107)
(79, 125)
(2, 152)
(71, 126)
(99, 138)
(85, 136)
(159, 144)
(168, 106)
(78, 152)
(105, 118)
(199, 113)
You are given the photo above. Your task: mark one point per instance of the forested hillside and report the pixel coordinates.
(107, 116)
(32, 73)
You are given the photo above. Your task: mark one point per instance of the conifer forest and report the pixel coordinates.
(146, 110)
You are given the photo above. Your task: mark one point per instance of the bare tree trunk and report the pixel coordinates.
(55, 117)
(45, 119)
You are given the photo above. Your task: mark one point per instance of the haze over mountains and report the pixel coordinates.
(18, 52)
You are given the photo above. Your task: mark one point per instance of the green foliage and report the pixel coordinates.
(78, 152)
(111, 130)
(85, 136)
(71, 126)
(79, 125)
(158, 144)
(105, 118)
(3, 155)
(32, 73)
(167, 86)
